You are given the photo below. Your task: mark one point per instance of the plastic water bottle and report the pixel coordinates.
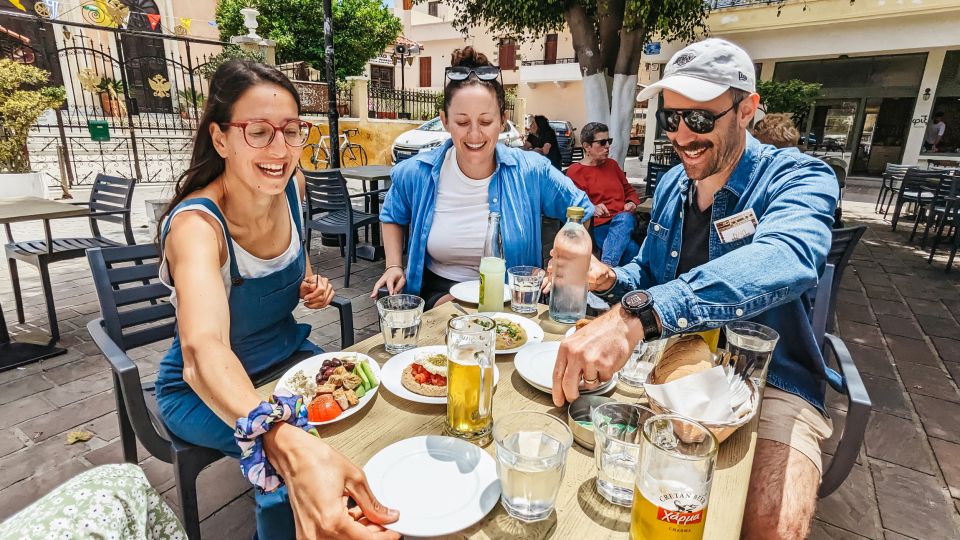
(572, 249)
(493, 268)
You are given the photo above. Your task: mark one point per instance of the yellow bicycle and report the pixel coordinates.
(316, 156)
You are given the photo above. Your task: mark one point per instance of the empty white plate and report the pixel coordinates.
(440, 485)
(392, 372)
(311, 366)
(535, 365)
(469, 292)
(534, 332)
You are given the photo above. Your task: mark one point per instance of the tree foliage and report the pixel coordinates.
(362, 30)
(793, 96)
(23, 98)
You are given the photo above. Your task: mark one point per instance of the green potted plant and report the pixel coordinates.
(23, 99)
(111, 97)
(190, 101)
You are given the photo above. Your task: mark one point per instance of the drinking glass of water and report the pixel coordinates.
(642, 361)
(531, 458)
(618, 430)
(750, 346)
(400, 321)
(525, 282)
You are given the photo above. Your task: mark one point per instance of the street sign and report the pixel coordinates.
(652, 48)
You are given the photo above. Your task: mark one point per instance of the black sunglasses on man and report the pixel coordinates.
(697, 120)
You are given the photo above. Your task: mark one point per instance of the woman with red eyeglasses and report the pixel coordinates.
(611, 194)
(234, 260)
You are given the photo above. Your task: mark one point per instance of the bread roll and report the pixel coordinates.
(688, 355)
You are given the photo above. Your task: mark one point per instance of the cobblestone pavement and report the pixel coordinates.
(898, 315)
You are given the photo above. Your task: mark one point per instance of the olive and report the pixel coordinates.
(336, 362)
(348, 366)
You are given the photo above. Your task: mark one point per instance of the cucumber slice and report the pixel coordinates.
(364, 381)
(359, 391)
(369, 373)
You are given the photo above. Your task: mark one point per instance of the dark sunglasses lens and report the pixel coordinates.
(487, 73)
(669, 120)
(605, 142)
(699, 121)
(458, 73)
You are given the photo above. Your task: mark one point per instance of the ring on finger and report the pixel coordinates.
(592, 381)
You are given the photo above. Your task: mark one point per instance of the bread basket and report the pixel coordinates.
(721, 430)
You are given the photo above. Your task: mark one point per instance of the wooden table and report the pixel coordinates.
(17, 209)
(581, 512)
(372, 175)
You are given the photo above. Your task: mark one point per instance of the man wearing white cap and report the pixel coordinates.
(740, 231)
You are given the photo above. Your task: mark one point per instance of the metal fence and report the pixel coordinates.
(390, 103)
(134, 98)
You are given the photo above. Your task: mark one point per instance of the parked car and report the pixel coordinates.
(566, 138)
(431, 135)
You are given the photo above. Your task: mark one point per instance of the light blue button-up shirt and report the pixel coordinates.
(763, 277)
(524, 186)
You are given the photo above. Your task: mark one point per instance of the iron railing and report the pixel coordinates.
(721, 4)
(390, 103)
(549, 62)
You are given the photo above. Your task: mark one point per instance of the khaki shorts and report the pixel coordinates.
(788, 419)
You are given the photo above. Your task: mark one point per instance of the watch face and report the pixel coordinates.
(637, 299)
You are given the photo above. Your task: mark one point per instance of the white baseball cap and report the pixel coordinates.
(703, 70)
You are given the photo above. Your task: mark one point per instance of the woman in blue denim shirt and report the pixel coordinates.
(443, 197)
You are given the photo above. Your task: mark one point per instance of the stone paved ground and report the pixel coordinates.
(898, 315)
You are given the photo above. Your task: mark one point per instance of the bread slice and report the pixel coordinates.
(411, 384)
(688, 355)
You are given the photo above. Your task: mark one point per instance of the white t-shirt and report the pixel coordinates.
(455, 244)
(934, 131)
(249, 265)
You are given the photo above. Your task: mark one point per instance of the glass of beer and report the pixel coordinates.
(616, 429)
(673, 480)
(470, 348)
(750, 346)
(531, 458)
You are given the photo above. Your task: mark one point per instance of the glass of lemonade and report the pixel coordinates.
(617, 430)
(525, 283)
(673, 479)
(470, 349)
(531, 458)
(400, 321)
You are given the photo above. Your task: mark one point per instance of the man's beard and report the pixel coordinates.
(719, 155)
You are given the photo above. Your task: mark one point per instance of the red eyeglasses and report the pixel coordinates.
(260, 133)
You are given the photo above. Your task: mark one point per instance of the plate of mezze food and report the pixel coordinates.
(514, 332)
(469, 292)
(335, 385)
(420, 374)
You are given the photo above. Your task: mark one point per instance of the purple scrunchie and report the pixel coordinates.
(253, 460)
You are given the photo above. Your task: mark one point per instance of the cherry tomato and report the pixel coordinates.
(323, 408)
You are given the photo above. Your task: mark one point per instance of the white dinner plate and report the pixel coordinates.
(311, 366)
(393, 373)
(440, 485)
(534, 332)
(469, 292)
(535, 365)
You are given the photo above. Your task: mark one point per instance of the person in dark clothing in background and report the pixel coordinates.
(543, 140)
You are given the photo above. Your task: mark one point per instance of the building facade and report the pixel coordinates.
(885, 67)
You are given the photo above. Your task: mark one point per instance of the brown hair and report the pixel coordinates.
(777, 129)
(469, 57)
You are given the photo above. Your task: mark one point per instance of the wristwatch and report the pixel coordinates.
(640, 304)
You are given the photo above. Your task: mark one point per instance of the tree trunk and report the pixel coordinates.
(610, 15)
(585, 42)
(623, 100)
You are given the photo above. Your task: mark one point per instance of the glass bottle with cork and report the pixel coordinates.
(493, 268)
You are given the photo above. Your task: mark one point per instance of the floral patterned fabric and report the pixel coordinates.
(253, 460)
(107, 502)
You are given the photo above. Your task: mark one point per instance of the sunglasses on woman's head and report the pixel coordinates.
(603, 142)
(462, 73)
(697, 120)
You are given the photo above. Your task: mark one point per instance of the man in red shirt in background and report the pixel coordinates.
(611, 194)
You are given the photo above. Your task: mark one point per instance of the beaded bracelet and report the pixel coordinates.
(253, 460)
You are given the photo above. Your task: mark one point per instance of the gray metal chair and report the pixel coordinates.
(890, 186)
(330, 211)
(135, 312)
(841, 249)
(110, 202)
(851, 385)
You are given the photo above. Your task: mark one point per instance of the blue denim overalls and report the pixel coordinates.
(263, 333)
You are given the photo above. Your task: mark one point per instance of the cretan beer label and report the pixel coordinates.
(679, 518)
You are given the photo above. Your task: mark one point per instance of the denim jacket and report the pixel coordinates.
(524, 186)
(763, 277)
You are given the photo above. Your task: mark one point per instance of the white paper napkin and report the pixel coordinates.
(704, 396)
